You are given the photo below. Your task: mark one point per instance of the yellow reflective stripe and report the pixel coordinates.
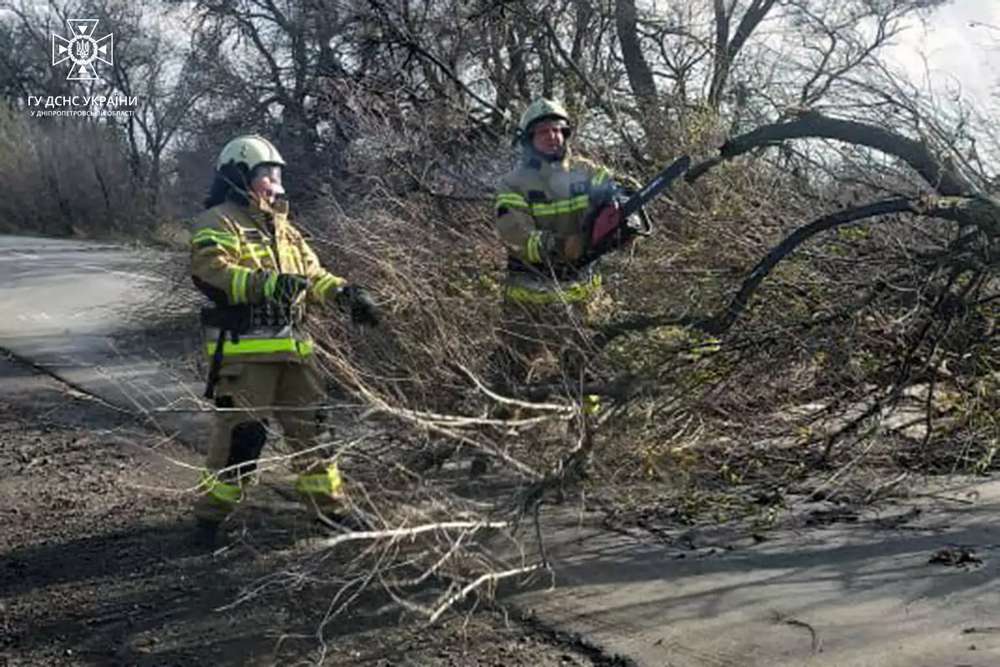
(234, 285)
(208, 232)
(533, 248)
(511, 199)
(262, 346)
(238, 285)
(601, 176)
(255, 250)
(221, 238)
(327, 483)
(291, 257)
(572, 205)
(591, 404)
(269, 285)
(226, 494)
(573, 293)
(322, 286)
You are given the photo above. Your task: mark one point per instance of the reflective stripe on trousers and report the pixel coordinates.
(261, 346)
(546, 293)
(225, 494)
(326, 483)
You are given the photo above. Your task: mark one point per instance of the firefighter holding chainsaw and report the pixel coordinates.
(261, 277)
(556, 213)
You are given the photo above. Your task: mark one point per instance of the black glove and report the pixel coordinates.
(287, 288)
(356, 301)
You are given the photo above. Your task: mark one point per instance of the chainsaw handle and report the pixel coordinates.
(641, 227)
(645, 226)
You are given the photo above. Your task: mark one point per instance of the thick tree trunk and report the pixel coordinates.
(917, 155)
(640, 76)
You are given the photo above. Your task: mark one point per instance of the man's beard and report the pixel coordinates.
(554, 156)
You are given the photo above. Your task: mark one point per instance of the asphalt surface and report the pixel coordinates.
(913, 584)
(67, 306)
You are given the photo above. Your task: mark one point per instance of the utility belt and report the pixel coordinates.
(232, 320)
(271, 319)
(272, 315)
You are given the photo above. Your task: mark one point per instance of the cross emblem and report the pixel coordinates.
(82, 49)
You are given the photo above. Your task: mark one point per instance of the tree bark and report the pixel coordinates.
(791, 242)
(944, 180)
(726, 49)
(640, 76)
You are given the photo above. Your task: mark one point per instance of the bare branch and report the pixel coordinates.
(812, 124)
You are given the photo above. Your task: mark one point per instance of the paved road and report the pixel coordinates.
(851, 594)
(65, 306)
(847, 594)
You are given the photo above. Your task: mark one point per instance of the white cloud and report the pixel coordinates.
(948, 51)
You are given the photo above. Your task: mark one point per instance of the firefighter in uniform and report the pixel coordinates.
(552, 210)
(261, 275)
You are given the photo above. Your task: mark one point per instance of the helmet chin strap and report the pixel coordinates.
(240, 189)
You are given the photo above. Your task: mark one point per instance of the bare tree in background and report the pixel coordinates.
(729, 42)
(817, 308)
(160, 71)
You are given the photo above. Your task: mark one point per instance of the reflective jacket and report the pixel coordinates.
(544, 209)
(237, 253)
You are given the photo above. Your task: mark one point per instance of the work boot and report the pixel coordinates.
(322, 491)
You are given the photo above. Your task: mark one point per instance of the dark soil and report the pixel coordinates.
(97, 565)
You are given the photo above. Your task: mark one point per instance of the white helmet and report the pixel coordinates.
(250, 150)
(542, 109)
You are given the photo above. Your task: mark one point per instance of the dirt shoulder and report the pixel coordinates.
(97, 566)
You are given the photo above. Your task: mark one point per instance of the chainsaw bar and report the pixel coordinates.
(662, 181)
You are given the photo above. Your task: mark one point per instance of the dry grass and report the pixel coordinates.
(867, 354)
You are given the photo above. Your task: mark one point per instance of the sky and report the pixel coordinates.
(955, 52)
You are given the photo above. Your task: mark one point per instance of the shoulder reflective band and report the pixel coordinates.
(601, 176)
(262, 346)
(326, 483)
(225, 494)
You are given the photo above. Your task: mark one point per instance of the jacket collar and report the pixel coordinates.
(267, 218)
(532, 159)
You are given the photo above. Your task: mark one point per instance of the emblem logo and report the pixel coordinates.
(82, 49)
